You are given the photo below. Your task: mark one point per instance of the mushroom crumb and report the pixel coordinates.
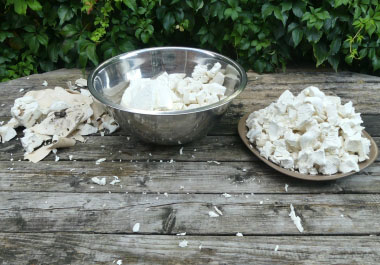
(183, 244)
(100, 160)
(213, 214)
(296, 219)
(136, 228)
(216, 162)
(56, 118)
(115, 180)
(99, 181)
(218, 211)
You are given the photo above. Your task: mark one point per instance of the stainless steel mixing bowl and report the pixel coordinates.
(110, 79)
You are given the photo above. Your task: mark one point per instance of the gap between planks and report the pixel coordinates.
(189, 235)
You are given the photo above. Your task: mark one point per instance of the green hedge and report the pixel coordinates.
(42, 35)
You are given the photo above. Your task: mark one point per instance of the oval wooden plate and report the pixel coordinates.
(243, 129)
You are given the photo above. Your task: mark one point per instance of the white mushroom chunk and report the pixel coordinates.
(32, 140)
(63, 125)
(87, 129)
(81, 82)
(311, 132)
(109, 123)
(26, 111)
(200, 73)
(7, 133)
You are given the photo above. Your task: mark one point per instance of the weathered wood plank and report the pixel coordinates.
(228, 124)
(178, 177)
(256, 97)
(73, 248)
(306, 76)
(208, 148)
(219, 148)
(361, 89)
(172, 213)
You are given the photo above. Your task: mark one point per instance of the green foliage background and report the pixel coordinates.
(42, 35)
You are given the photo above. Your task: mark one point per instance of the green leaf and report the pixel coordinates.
(43, 39)
(363, 53)
(53, 50)
(335, 46)
(233, 3)
(91, 53)
(259, 66)
(217, 10)
(280, 16)
(64, 13)
(131, 4)
(234, 14)
(371, 29)
(141, 10)
(292, 26)
(20, 6)
(67, 45)
(160, 12)
(179, 15)
(145, 37)
(286, 6)
(228, 12)
(297, 35)
(83, 59)
(30, 28)
(376, 16)
(195, 4)
(313, 35)
(245, 43)
(203, 30)
(126, 46)
(334, 62)
(322, 15)
(33, 44)
(168, 21)
(69, 30)
(4, 35)
(299, 8)
(34, 5)
(375, 63)
(320, 52)
(340, 2)
(266, 10)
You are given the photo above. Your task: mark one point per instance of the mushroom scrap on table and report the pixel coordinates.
(112, 199)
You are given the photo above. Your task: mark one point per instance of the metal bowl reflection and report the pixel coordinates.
(109, 80)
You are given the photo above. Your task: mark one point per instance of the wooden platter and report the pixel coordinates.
(243, 129)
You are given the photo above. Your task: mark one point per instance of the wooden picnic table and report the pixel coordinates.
(52, 213)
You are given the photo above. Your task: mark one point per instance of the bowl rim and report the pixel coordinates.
(100, 98)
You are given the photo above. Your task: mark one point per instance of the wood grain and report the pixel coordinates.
(76, 249)
(52, 213)
(178, 177)
(361, 89)
(209, 148)
(261, 214)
